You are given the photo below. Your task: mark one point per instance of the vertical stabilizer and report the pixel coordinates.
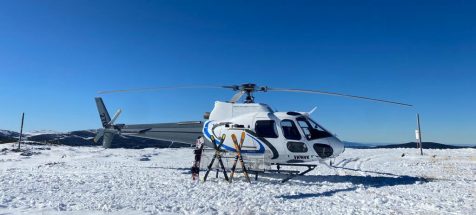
(103, 114)
(109, 130)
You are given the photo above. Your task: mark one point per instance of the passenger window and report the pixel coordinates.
(266, 128)
(296, 147)
(290, 130)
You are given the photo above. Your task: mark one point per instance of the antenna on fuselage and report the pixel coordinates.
(312, 111)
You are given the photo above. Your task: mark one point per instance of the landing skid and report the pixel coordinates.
(292, 174)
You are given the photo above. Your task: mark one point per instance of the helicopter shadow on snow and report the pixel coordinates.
(185, 171)
(357, 181)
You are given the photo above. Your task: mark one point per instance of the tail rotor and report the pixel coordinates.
(109, 129)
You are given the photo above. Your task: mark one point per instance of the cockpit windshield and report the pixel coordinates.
(311, 129)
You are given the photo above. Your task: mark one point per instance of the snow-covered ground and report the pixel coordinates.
(92, 180)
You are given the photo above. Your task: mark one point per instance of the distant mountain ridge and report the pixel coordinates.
(426, 145)
(355, 145)
(85, 138)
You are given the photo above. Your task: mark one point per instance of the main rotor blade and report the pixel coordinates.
(152, 89)
(335, 94)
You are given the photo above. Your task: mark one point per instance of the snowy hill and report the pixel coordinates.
(92, 180)
(8, 136)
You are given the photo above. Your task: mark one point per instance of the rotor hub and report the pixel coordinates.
(248, 89)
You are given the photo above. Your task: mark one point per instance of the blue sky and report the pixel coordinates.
(55, 56)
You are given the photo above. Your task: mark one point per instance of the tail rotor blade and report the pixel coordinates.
(116, 115)
(99, 134)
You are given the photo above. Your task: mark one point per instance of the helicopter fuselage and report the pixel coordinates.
(282, 137)
(275, 137)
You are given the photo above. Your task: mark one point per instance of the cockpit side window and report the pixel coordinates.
(266, 128)
(305, 127)
(311, 129)
(290, 130)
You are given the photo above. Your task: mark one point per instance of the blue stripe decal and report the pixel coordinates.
(217, 142)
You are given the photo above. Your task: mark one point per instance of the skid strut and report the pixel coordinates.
(309, 168)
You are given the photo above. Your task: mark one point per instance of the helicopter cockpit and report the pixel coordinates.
(300, 133)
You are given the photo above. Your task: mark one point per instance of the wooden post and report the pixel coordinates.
(21, 130)
(419, 134)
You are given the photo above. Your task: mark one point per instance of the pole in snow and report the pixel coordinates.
(418, 134)
(21, 130)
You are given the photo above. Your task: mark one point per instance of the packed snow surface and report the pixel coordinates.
(92, 180)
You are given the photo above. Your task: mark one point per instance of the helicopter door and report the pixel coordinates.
(292, 137)
(267, 129)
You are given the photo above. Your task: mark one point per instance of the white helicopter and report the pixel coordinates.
(282, 138)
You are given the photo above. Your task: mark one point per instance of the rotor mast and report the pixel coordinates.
(249, 89)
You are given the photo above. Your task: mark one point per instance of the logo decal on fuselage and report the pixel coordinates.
(207, 134)
(301, 157)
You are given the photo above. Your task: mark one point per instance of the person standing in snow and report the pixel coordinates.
(198, 155)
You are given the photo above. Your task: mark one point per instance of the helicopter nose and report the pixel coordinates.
(329, 147)
(336, 145)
